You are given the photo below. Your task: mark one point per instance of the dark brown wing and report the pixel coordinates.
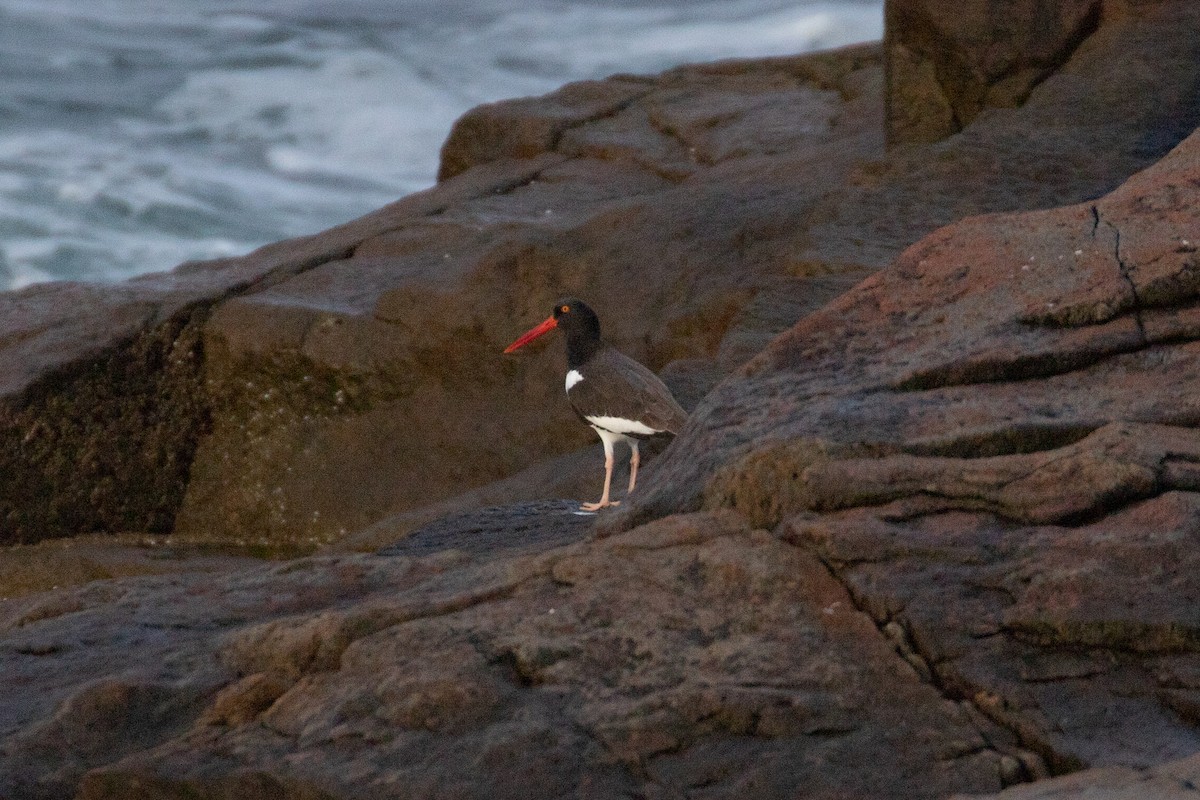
(614, 385)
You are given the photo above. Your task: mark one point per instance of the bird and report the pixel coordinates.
(622, 400)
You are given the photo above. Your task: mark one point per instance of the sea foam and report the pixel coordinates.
(141, 134)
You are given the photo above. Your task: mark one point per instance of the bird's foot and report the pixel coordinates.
(600, 505)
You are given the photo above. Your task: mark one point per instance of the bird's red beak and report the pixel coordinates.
(528, 336)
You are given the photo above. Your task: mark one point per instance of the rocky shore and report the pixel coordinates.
(930, 532)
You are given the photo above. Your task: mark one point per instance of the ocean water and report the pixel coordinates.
(136, 134)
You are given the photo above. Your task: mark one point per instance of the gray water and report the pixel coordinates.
(136, 134)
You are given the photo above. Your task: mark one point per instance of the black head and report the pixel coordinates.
(572, 314)
(582, 328)
(578, 322)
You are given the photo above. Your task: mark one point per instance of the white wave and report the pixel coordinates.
(364, 115)
(649, 39)
(142, 133)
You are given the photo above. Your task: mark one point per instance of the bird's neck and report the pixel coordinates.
(581, 347)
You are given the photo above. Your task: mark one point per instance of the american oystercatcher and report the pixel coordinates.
(621, 399)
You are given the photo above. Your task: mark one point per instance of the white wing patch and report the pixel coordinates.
(573, 377)
(621, 425)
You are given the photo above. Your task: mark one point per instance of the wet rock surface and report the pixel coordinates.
(901, 650)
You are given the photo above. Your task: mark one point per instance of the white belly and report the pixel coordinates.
(620, 425)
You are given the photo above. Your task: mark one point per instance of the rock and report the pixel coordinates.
(61, 563)
(1066, 636)
(536, 525)
(922, 650)
(997, 336)
(103, 409)
(1116, 464)
(944, 69)
(531, 127)
(740, 664)
(991, 445)
(409, 329)
(117, 666)
(244, 700)
(103, 388)
(1175, 780)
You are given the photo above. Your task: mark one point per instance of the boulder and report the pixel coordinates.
(998, 336)
(103, 388)
(991, 444)
(384, 368)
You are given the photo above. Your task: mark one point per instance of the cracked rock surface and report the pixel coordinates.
(994, 337)
(992, 445)
(1082, 641)
(741, 666)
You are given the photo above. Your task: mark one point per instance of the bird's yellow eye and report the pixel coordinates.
(565, 309)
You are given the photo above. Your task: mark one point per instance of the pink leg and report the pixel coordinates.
(634, 460)
(608, 440)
